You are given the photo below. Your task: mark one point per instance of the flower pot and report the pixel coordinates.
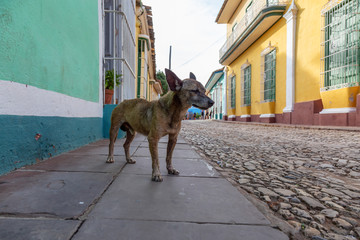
(108, 96)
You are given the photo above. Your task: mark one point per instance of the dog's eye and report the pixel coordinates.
(195, 91)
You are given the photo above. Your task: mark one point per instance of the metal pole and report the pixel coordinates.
(103, 48)
(114, 50)
(170, 58)
(122, 17)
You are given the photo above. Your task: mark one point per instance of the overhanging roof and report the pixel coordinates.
(214, 77)
(227, 10)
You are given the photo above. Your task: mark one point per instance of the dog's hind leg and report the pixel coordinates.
(170, 148)
(130, 135)
(114, 130)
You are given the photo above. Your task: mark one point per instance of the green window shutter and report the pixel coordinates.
(247, 86)
(270, 76)
(341, 46)
(233, 88)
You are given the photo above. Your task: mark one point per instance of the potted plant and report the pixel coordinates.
(109, 85)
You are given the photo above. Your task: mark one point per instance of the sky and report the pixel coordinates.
(189, 27)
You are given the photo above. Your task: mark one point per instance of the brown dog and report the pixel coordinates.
(158, 118)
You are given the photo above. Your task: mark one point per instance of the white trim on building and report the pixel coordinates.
(25, 100)
(290, 17)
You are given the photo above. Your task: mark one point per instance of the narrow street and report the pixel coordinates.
(307, 177)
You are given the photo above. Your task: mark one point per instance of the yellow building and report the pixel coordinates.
(147, 86)
(293, 62)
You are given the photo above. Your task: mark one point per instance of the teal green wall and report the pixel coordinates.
(19, 147)
(51, 44)
(219, 81)
(108, 108)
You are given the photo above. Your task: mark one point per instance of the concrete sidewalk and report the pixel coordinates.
(78, 196)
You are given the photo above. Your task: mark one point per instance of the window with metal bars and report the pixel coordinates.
(340, 45)
(269, 76)
(232, 91)
(246, 85)
(119, 45)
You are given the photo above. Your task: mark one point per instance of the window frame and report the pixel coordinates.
(232, 91)
(246, 85)
(341, 46)
(268, 72)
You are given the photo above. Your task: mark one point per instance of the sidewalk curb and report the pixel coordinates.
(335, 128)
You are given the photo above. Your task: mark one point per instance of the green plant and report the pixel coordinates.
(109, 79)
(160, 75)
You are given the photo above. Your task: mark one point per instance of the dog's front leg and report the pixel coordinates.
(170, 148)
(114, 130)
(153, 146)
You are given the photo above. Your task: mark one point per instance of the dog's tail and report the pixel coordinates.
(126, 127)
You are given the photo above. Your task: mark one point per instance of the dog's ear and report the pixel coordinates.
(192, 76)
(174, 82)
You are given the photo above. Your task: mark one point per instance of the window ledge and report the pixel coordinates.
(339, 86)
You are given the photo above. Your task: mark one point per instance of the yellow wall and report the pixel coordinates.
(277, 36)
(340, 98)
(307, 60)
(237, 16)
(308, 34)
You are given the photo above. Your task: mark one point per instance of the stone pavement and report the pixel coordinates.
(78, 196)
(307, 178)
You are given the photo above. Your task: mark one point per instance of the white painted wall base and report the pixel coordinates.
(267, 115)
(337, 110)
(24, 100)
(245, 116)
(288, 109)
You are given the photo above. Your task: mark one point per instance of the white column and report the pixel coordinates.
(225, 92)
(290, 17)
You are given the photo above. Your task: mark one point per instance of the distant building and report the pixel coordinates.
(147, 86)
(215, 87)
(293, 62)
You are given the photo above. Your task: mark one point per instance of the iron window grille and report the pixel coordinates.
(232, 91)
(246, 85)
(119, 45)
(340, 54)
(268, 74)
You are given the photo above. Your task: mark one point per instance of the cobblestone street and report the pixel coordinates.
(309, 178)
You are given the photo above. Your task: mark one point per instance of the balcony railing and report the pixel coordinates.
(257, 8)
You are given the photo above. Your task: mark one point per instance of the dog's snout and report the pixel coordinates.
(211, 102)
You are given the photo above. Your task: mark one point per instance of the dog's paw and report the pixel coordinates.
(173, 171)
(130, 161)
(110, 160)
(157, 178)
